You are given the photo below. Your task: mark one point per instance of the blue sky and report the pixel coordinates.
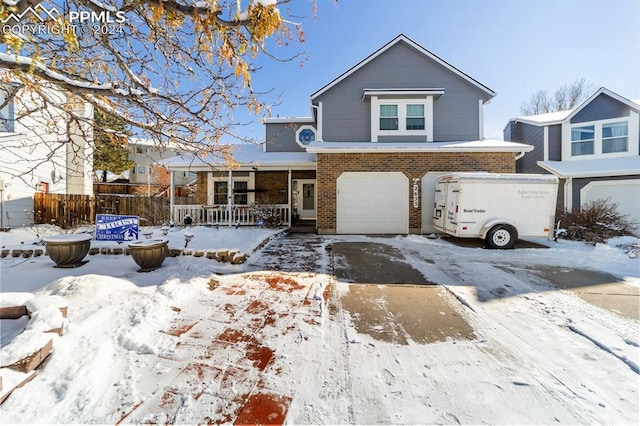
(515, 47)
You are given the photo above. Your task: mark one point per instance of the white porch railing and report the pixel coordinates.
(220, 215)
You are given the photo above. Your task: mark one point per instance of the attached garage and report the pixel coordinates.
(372, 203)
(617, 191)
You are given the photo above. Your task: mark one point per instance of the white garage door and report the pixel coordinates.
(373, 203)
(619, 191)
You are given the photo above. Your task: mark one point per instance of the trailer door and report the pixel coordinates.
(452, 201)
(440, 204)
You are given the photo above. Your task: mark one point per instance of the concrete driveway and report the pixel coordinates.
(391, 301)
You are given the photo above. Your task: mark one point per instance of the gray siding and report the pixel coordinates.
(602, 107)
(509, 132)
(532, 135)
(347, 118)
(580, 183)
(555, 142)
(281, 137)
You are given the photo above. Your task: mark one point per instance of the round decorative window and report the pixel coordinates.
(305, 135)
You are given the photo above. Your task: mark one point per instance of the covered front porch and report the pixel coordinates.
(258, 188)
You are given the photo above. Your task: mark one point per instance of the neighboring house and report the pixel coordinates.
(593, 148)
(40, 151)
(366, 159)
(145, 153)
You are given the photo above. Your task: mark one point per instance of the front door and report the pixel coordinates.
(307, 198)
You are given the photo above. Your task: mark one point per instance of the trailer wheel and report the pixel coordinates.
(501, 237)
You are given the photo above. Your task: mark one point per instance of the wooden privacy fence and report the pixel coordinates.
(68, 211)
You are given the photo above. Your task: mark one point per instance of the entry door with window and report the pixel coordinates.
(307, 199)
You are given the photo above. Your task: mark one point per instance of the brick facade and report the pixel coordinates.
(413, 165)
(201, 189)
(271, 187)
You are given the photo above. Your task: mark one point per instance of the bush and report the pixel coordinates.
(595, 222)
(267, 214)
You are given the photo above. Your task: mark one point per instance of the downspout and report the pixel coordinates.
(318, 108)
(568, 195)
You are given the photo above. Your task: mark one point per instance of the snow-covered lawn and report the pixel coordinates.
(200, 341)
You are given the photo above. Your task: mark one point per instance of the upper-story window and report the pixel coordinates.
(610, 138)
(615, 137)
(582, 139)
(415, 117)
(305, 135)
(141, 149)
(402, 117)
(402, 113)
(389, 117)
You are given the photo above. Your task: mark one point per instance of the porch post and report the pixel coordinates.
(230, 198)
(289, 189)
(172, 196)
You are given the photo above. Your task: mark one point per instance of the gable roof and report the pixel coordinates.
(558, 117)
(404, 39)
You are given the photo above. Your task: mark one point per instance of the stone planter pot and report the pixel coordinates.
(68, 250)
(149, 254)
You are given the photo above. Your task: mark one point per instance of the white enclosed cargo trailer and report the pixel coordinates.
(499, 208)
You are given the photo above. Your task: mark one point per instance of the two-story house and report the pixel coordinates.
(593, 148)
(366, 158)
(145, 153)
(41, 149)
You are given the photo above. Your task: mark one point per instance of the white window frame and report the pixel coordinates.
(250, 187)
(143, 168)
(303, 128)
(615, 137)
(632, 122)
(402, 103)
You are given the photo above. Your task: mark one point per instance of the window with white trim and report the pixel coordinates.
(415, 117)
(240, 194)
(399, 117)
(582, 140)
(615, 137)
(388, 117)
(141, 170)
(305, 135)
(402, 117)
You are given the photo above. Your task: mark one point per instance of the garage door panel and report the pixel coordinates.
(373, 203)
(618, 191)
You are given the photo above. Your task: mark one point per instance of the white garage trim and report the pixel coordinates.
(372, 203)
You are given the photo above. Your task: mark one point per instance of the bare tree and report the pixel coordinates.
(172, 70)
(564, 98)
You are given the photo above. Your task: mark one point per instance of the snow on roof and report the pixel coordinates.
(487, 145)
(622, 166)
(166, 146)
(546, 118)
(248, 156)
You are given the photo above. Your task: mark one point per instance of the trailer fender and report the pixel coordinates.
(493, 222)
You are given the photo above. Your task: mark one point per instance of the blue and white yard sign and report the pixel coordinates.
(113, 227)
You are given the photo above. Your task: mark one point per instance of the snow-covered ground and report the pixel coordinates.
(200, 341)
